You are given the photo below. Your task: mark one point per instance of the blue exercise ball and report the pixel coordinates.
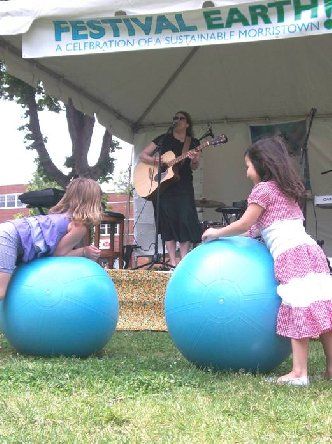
(60, 306)
(221, 307)
(1, 315)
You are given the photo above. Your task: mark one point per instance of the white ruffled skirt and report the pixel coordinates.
(305, 283)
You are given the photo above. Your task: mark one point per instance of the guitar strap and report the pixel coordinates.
(186, 144)
(185, 148)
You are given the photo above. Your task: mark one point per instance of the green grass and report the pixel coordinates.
(140, 390)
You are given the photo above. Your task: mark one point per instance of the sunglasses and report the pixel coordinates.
(178, 118)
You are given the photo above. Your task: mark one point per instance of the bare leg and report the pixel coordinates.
(171, 250)
(184, 248)
(4, 281)
(300, 360)
(326, 340)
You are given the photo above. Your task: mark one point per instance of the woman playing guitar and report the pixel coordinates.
(178, 220)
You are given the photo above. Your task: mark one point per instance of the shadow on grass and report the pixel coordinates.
(131, 363)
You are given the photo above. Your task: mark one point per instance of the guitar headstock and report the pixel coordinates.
(219, 140)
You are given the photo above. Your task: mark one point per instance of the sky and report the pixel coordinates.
(17, 163)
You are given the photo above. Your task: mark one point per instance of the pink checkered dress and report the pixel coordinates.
(305, 283)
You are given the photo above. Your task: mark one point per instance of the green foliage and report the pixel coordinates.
(18, 216)
(35, 99)
(40, 181)
(16, 90)
(12, 88)
(107, 167)
(139, 389)
(123, 185)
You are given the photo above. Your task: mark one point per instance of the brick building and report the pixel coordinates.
(11, 206)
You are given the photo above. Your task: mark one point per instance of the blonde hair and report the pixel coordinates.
(82, 201)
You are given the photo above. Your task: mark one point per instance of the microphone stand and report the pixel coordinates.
(208, 133)
(157, 258)
(304, 162)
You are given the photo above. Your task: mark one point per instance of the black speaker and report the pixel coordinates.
(46, 198)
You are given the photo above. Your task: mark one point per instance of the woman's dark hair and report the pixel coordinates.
(272, 162)
(190, 131)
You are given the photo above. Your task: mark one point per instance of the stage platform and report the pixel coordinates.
(141, 298)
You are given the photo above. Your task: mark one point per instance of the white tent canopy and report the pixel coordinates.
(269, 79)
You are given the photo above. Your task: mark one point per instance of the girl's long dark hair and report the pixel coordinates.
(272, 162)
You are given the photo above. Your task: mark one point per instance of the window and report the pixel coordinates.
(105, 229)
(19, 203)
(10, 201)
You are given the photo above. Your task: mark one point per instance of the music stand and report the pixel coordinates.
(229, 212)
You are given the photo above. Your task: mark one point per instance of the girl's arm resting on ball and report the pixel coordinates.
(238, 227)
(75, 234)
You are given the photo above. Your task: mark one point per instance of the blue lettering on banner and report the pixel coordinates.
(97, 31)
(164, 24)
(78, 27)
(271, 19)
(129, 26)
(60, 26)
(182, 25)
(188, 39)
(146, 26)
(102, 45)
(114, 25)
(145, 41)
(275, 31)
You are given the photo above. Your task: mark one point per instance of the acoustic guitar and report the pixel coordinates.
(146, 176)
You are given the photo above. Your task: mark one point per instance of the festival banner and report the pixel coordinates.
(245, 22)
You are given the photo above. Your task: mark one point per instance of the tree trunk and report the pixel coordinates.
(80, 128)
(51, 170)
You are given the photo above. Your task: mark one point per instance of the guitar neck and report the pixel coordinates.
(184, 155)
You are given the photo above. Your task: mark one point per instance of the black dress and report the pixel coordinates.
(178, 218)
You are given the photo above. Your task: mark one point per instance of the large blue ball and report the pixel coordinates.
(221, 307)
(1, 315)
(60, 306)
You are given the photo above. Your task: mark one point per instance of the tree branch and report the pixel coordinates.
(104, 163)
(80, 128)
(38, 143)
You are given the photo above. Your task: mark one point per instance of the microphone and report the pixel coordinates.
(210, 130)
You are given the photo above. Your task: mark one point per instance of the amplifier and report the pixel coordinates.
(46, 198)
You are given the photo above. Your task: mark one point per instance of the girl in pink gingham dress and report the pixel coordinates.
(301, 268)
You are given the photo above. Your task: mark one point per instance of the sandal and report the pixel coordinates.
(303, 381)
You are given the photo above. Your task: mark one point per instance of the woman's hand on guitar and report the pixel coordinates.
(194, 157)
(163, 165)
